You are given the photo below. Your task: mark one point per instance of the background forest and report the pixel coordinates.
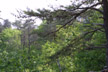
(69, 39)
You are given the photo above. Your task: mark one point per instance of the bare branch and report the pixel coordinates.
(94, 47)
(100, 24)
(93, 9)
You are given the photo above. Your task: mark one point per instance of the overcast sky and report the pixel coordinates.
(10, 6)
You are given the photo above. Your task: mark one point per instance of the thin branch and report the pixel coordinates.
(93, 31)
(73, 43)
(73, 18)
(93, 9)
(59, 65)
(99, 24)
(94, 47)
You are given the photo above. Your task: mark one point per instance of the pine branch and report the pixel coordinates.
(72, 19)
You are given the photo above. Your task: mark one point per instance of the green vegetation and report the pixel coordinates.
(58, 44)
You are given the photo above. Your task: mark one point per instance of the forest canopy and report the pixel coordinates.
(71, 38)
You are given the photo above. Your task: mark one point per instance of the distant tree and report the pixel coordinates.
(7, 24)
(1, 27)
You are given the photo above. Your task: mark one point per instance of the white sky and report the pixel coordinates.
(10, 6)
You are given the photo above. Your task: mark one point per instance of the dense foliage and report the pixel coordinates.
(78, 46)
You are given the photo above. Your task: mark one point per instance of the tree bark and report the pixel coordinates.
(105, 11)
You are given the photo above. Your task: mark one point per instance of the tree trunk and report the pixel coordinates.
(105, 9)
(59, 65)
